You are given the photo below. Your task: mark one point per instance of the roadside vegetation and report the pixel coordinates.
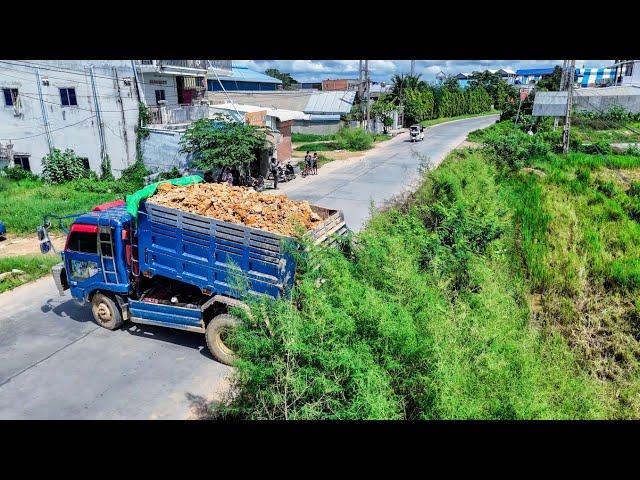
(30, 268)
(505, 288)
(436, 121)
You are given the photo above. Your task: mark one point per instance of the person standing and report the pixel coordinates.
(273, 167)
(307, 164)
(314, 163)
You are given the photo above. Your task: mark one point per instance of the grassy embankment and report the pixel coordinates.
(436, 121)
(492, 293)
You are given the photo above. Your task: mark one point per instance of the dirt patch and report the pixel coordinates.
(533, 171)
(622, 177)
(15, 246)
(273, 213)
(468, 144)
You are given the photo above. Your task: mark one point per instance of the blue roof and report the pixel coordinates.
(241, 73)
(116, 215)
(535, 71)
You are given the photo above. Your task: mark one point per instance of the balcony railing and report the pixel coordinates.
(191, 64)
(177, 114)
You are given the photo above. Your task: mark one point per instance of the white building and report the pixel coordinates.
(627, 72)
(90, 106)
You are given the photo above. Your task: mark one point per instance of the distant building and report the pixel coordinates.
(529, 76)
(90, 106)
(554, 104)
(627, 72)
(242, 78)
(340, 84)
(596, 77)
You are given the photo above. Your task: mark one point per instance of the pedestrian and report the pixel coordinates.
(314, 163)
(273, 167)
(307, 164)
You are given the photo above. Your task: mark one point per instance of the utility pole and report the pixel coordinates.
(567, 118)
(360, 90)
(101, 136)
(413, 67)
(563, 87)
(45, 118)
(368, 109)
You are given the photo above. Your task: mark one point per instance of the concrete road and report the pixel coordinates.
(383, 173)
(55, 363)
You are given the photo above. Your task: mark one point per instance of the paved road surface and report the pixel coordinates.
(55, 363)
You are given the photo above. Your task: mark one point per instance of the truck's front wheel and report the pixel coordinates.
(216, 335)
(106, 312)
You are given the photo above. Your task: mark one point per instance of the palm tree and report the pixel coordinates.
(401, 83)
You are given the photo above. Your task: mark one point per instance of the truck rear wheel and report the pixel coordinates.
(216, 334)
(106, 312)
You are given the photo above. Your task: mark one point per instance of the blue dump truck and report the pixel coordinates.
(173, 268)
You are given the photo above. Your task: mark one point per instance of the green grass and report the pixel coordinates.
(435, 121)
(24, 203)
(318, 147)
(33, 266)
(424, 317)
(591, 131)
(311, 137)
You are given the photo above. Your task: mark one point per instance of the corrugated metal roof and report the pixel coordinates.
(535, 71)
(338, 102)
(240, 73)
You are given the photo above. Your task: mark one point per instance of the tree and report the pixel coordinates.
(60, 167)
(420, 105)
(287, 80)
(401, 83)
(500, 91)
(450, 83)
(221, 143)
(551, 82)
(383, 109)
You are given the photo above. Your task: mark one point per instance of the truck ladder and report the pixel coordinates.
(104, 226)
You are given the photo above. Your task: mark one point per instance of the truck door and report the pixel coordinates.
(82, 261)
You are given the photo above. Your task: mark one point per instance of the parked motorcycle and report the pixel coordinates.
(256, 183)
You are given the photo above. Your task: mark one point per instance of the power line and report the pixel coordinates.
(45, 133)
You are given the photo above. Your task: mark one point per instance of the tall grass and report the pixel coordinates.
(32, 266)
(423, 317)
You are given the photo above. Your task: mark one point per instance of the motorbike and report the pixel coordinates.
(256, 183)
(416, 132)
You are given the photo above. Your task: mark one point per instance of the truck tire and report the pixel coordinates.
(215, 333)
(106, 312)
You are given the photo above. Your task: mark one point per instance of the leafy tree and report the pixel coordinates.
(450, 83)
(551, 82)
(499, 90)
(383, 110)
(401, 83)
(287, 80)
(223, 143)
(420, 105)
(60, 167)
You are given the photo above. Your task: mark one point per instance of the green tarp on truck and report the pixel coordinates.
(133, 200)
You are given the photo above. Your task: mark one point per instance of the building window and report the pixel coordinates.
(22, 161)
(159, 95)
(10, 96)
(68, 96)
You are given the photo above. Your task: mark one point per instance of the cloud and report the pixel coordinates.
(382, 70)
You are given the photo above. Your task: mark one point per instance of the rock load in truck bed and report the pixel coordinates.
(273, 213)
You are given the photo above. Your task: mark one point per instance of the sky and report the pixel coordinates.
(382, 70)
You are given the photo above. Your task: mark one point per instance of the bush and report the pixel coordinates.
(135, 173)
(18, 173)
(632, 151)
(60, 167)
(354, 139)
(515, 149)
(173, 173)
(599, 148)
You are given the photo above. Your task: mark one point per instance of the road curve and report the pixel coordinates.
(55, 363)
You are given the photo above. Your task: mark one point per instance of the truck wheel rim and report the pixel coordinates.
(104, 312)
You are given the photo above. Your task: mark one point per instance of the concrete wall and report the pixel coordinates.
(161, 150)
(73, 127)
(284, 146)
(288, 100)
(603, 103)
(321, 128)
(158, 81)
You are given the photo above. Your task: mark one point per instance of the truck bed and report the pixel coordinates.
(214, 255)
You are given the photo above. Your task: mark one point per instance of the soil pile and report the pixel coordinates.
(273, 213)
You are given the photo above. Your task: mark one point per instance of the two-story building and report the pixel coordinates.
(627, 72)
(90, 106)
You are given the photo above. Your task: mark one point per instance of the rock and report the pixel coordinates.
(274, 213)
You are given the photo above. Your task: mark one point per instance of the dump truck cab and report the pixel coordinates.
(98, 254)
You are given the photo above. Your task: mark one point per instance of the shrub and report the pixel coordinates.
(515, 149)
(18, 173)
(354, 139)
(632, 151)
(599, 148)
(173, 173)
(135, 173)
(60, 167)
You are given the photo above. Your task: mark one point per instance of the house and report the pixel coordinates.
(242, 78)
(340, 84)
(324, 109)
(527, 76)
(596, 77)
(90, 106)
(627, 72)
